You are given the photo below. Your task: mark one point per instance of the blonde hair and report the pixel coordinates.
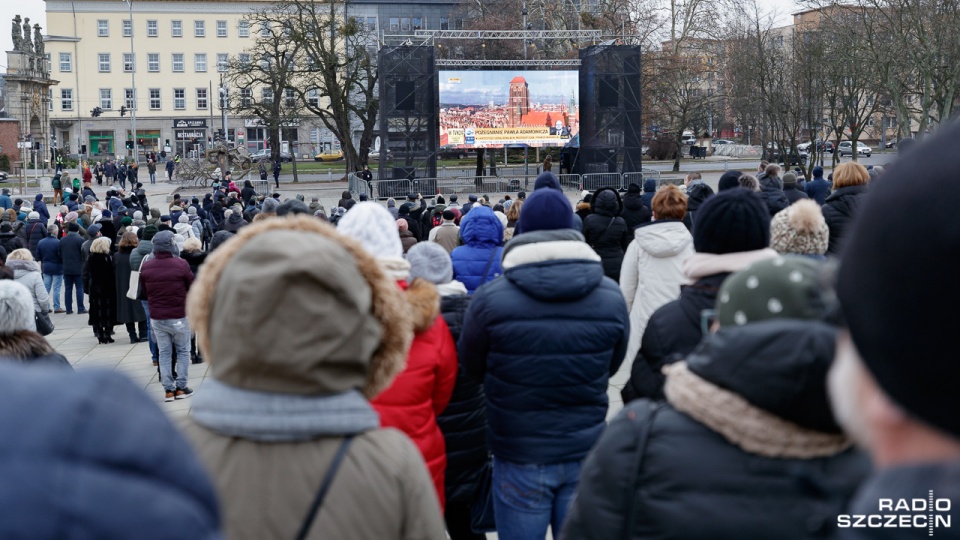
(101, 245)
(850, 173)
(513, 213)
(191, 244)
(21, 254)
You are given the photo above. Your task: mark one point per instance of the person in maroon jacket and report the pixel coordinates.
(164, 281)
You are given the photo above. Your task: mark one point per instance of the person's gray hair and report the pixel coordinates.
(16, 308)
(749, 182)
(101, 245)
(53, 230)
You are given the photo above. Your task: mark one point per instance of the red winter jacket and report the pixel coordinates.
(422, 391)
(164, 282)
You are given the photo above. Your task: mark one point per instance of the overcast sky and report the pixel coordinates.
(35, 10)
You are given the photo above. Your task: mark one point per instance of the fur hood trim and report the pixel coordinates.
(559, 250)
(24, 344)
(390, 357)
(742, 424)
(424, 302)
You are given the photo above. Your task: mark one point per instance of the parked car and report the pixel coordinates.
(264, 154)
(455, 153)
(892, 143)
(846, 148)
(329, 155)
(3, 176)
(723, 141)
(774, 154)
(689, 139)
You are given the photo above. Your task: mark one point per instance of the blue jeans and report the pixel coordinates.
(53, 281)
(527, 498)
(173, 333)
(70, 282)
(154, 351)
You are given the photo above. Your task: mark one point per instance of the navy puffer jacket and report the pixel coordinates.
(545, 340)
(464, 421)
(649, 190)
(60, 479)
(482, 234)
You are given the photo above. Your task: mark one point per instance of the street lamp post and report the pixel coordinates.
(133, 88)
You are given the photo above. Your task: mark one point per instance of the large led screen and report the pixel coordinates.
(492, 109)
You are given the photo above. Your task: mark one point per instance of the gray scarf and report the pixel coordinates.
(263, 416)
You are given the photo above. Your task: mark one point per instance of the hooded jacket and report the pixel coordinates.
(164, 282)
(544, 340)
(745, 442)
(27, 273)
(773, 196)
(606, 232)
(40, 207)
(838, 211)
(649, 190)
(697, 194)
(652, 274)
(234, 223)
(10, 241)
(62, 477)
(818, 189)
(635, 212)
(34, 231)
(673, 330)
(284, 391)
(482, 234)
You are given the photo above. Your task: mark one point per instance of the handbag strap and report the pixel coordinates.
(486, 271)
(325, 487)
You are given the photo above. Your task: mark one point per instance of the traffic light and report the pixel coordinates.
(129, 145)
(123, 110)
(140, 142)
(96, 111)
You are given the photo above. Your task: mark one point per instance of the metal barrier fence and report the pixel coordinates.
(595, 181)
(262, 187)
(356, 185)
(398, 189)
(569, 182)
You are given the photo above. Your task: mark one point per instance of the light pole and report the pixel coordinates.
(133, 88)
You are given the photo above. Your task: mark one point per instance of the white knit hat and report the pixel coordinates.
(375, 229)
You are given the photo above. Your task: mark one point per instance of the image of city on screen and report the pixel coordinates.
(493, 109)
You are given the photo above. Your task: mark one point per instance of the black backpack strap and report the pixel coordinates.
(324, 487)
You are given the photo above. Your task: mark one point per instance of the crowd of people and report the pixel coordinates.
(432, 369)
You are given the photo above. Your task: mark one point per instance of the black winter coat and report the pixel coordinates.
(697, 194)
(10, 241)
(838, 211)
(35, 231)
(774, 198)
(635, 213)
(102, 288)
(72, 254)
(128, 311)
(794, 194)
(658, 473)
(606, 232)
(464, 421)
(672, 332)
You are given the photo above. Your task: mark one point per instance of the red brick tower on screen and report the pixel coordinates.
(519, 101)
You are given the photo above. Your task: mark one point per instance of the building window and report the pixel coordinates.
(176, 28)
(50, 99)
(394, 24)
(66, 99)
(47, 64)
(153, 62)
(444, 23)
(405, 24)
(243, 28)
(106, 99)
(458, 24)
(246, 97)
(200, 62)
(103, 62)
(289, 98)
(66, 62)
(127, 28)
(265, 62)
(313, 98)
(179, 99)
(223, 62)
(417, 23)
(199, 29)
(202, 98)
(178, 62)
(152, 29)
(266, 96)
(265, 29)
(128, 63)
(244, 59)
(103, 28)
(154, 99)
(129, 98)
(221, 28)
(371, 24)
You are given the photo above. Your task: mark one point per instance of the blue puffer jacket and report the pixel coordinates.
(649, 190)
(545, 340)
(86, 467)
(51, 262)
(482, 234)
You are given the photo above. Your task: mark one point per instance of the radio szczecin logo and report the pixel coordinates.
(930, 513)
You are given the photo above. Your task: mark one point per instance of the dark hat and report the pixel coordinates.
(818, 172)
(440, 199)
(731, 221)
(73, 226)
(364, 197)
(164, 242)
(293, 207)
(412, 196)
(106, 214)
(165, 217)
(449, 215)
(545, 209)
(522, 195)
(790, 178)
(6, 227)
(127, 220)
(633, 188)
(149, 232)
(901, 325)
(472, 198)
(785, 287)
(729, 180)
(403, 210)
(94, 229)
(547, 180)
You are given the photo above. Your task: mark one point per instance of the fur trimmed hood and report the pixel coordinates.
(742, 424)
(424, 302)
(335, 320)
(28, 346)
